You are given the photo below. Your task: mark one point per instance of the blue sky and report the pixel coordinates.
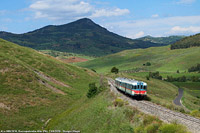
(130, 18)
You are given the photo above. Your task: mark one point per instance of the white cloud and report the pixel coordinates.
(186, 1)
(155, 27)
(191, 29)
(2, 12)
(60, 9)
(109, 13)
(155, 16)
(137, 35)
(71, 9)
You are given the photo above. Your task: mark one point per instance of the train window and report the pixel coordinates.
(138, 86)
(135, 87)
(145, 87)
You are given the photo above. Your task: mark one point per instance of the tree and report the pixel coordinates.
(92, 90)
(115, 70)
(148, 64)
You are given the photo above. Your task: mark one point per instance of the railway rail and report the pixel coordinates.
(164, 114)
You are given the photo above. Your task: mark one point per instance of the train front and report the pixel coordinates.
(140, 89)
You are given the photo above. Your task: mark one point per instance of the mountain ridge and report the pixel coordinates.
(82, 36)
(165, 40)
(187, 42)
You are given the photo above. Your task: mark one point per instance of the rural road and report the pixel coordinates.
(177, 101)
(164, 114)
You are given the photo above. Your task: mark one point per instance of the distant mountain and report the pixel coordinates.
(82, 36)
(162, 40)
(187, 42)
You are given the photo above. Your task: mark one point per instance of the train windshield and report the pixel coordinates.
(145, 87)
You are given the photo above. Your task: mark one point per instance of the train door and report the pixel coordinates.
(125, 86)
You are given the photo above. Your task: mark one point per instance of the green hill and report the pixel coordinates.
(39, 92)
(187, 42)
(162, 40)
(35, 87)
(161, 58)
(82, 37)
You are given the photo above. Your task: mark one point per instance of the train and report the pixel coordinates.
(131, 87)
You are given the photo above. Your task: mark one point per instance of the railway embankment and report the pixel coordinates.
(166, 115)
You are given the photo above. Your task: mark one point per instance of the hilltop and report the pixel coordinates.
(82, 37)
(162, 40)
(161, 59)
(187, 42)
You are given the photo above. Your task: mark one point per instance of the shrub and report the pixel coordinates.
(129, 113)
(139, 129)
(177, 71)
(148, 64)
(147, 77)
(148, 119)
(92, 90)
(126, 128)
(152, 128)
(195, 113)
(115, 70)
(155, 75)
(172, 128)
(118, 102)
(94, 70)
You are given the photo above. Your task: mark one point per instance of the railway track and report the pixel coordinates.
(166, 115)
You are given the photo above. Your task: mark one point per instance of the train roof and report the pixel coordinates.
(130, 81)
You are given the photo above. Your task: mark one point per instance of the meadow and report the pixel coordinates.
(162, 59)
(28, 104)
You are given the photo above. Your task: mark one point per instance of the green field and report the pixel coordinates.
(27, 104)
(161, 58)
(65, 55)
(191, 98)
(165, 74)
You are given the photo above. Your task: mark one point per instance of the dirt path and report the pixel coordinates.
(166, 115)
(177, 101)
(50, 79)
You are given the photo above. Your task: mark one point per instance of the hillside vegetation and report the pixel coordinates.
(82, 37)
(39, 92)
(162, 40)
(34, 87)
(187, 42)
(161, 58)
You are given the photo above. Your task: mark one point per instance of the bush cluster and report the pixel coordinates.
(119, 102)
(94, 90)
(114, 70)
(155, 75)
(147, 64)
(179, 79)
(194, 68)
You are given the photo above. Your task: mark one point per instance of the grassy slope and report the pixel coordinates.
(160, 92)
(100, 114)
(190, 41)
(64, 55)
(162, 59)
(30, 102)
(191, 97)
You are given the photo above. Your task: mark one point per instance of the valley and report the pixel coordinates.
(59, 78)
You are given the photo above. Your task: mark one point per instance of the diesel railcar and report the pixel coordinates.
(131, 86)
